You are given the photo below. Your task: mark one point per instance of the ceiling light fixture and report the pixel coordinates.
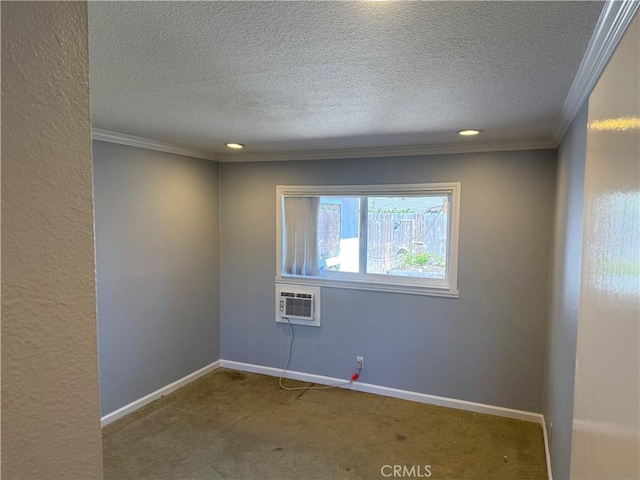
(469, 133)
(237, 146)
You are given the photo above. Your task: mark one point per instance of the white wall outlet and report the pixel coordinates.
(359, 363)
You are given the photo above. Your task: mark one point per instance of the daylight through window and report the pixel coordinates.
(382, 237)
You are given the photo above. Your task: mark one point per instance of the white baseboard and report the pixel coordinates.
(141, 402)
(390, 392)
(547, 452)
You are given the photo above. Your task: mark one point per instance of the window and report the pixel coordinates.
(399, 238)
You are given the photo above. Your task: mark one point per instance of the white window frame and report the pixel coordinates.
(447, 287)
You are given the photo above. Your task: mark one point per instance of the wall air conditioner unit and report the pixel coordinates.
(299, 304)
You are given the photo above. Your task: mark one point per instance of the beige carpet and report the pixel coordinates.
(233, 425)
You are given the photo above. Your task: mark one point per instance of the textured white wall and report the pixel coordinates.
(50, 406)
(606, 420)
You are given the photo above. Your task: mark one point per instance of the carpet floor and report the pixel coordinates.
(235, 425)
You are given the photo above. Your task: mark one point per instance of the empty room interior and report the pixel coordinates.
(360, 239)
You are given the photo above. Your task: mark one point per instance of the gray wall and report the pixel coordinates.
(157, 255)
(50, 401)
(560, 355)
(487, 346)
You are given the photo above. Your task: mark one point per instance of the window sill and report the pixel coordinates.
(369, 286)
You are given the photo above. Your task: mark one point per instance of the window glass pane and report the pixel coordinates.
(338, 234)
(407, 235)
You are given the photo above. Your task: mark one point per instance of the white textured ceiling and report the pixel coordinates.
(283, 76)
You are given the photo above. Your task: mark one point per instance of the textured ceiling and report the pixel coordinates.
(283, 76)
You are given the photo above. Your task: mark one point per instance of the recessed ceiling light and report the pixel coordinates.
(469, 133)
(237, 146)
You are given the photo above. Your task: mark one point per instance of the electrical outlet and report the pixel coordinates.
(359, 363)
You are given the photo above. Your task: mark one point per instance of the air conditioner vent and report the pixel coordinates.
(298, 305)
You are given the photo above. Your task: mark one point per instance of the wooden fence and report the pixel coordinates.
(389, 236)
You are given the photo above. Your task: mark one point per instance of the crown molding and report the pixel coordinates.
(414, 150)
(613, 22)
(372, 152)
(132, 141)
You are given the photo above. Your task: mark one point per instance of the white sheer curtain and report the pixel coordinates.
(301, 235)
